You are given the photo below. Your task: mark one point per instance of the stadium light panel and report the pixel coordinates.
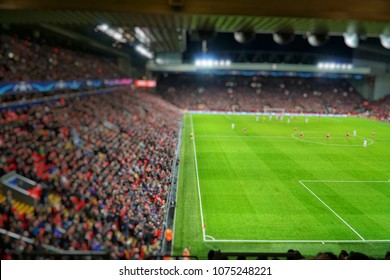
(103, 27)
(143, 51)
(141, 36)
(208, 62)
(334, 66)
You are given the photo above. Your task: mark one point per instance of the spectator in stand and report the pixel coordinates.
(113, 182)
(31, 59)
(253, 94)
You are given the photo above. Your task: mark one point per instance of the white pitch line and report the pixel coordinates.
(341, 181)
(210, 237)
(228, 117)
(299, 241)
(337, 215)
(197, 179)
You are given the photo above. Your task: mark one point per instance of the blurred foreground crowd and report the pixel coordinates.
(107, 157)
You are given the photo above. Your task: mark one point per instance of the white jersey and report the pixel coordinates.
(232, 125)
(365, 143)
(354, 133)
(307, 120)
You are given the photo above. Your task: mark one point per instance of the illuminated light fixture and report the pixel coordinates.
(351, 39)
(318, 36)
(141, 36)
(103, 27)
(244, 36)
(144, 51)
(284, 35)
(334, 66)
(116, 34)
(385, 40)
(209, 63)
(355, 33)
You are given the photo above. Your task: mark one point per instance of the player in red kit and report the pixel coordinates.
(347, 135)
(244, 130)
(327, 136)
(301, 134)
(295, 129)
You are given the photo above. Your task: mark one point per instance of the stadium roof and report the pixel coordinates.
(162, 20)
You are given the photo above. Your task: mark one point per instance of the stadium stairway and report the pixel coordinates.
(21, 207)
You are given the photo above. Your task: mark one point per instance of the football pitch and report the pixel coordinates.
(283, 185)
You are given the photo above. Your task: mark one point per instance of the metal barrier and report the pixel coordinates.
(19, 187)
(166, 248)
(48, 251)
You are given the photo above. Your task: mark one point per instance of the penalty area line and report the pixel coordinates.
(334, 212)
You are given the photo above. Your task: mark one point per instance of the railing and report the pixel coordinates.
(18, 189)
(37, 101)
(48, 251)
(218, 255)
(166, 249)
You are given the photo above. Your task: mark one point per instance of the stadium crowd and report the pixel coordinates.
(108, 158)
(252, 94)
(381, 109)
(50, 62)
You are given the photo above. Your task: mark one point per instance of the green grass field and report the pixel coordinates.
(270, 190)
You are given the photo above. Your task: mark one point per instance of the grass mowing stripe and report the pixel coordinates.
(337, 215)
(252, 200)
(197, 179)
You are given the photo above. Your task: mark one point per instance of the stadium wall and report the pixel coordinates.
(382, 86)
(365, 87)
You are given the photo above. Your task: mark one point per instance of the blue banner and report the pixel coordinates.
(48, 86)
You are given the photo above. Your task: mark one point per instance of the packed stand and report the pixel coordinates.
(253, 94)
(381, 109)
(108, 157)
(50, 62)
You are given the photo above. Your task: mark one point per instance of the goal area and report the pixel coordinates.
(278, 112)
